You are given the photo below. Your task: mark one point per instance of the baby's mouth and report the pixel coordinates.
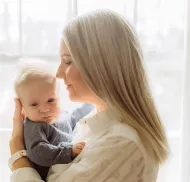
(48, 118)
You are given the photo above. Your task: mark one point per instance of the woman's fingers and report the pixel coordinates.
(18, 120)
(17, 139)
(18, 110)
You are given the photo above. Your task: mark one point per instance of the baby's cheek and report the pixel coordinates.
(34, 117)
(58, 110)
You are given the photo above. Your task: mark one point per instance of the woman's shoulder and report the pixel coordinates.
(124, 133)
(121, 136)
(128, 134)
(123, 130)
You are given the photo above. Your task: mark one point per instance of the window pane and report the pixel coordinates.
(7, 76)
(170, 171)
(162, 37)
(124, 7)
(160, 25)
(42, 22)
(9, 26)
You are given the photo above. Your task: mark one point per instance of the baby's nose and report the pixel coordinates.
(44, 109)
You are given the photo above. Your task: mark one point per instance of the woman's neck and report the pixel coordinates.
(101, 107)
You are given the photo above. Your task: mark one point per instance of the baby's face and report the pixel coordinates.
(40, 100)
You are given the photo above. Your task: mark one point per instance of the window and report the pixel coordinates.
(32, 28)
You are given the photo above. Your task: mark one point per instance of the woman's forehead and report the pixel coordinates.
(63, 49)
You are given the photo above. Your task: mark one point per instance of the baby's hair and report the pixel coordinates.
(30, 69)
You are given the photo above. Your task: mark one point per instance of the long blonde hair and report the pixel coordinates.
(106, 50)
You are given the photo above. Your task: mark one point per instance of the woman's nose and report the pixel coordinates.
(60, 73)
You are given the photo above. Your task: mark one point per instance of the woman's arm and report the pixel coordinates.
(17, 139)
(23, 167)
(115, 159)
(16, 144)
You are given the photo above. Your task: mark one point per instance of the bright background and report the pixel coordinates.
(33, 27)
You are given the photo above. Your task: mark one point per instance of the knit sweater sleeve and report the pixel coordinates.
(40, 150)
(79, 113)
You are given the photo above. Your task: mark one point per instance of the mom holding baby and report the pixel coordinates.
(123, 137)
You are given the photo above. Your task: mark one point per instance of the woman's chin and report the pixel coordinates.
(73, 98)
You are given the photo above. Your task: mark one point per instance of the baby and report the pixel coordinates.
(47, 134)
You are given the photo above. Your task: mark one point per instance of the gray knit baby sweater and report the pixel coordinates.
(48, 144)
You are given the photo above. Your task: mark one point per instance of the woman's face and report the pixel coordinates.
(75, 84)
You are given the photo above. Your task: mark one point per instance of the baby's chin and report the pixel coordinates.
(52, 121)
(48, 121)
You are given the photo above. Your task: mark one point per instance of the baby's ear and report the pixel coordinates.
(23, 113)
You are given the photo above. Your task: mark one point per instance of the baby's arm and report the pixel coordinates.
(40, 150)
(79, 113)
(76, 148)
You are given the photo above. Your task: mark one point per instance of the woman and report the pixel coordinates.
(102, 64)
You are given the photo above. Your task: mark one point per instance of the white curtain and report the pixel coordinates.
(33, 28)
(185, 147)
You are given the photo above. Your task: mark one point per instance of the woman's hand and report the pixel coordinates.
(17, 138)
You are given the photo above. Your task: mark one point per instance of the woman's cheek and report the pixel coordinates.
(68, 74)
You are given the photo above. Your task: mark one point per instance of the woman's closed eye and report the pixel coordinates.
(68, 62)
(66, 59)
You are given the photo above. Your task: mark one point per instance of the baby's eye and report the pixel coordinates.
(34, 104)
(51, 100)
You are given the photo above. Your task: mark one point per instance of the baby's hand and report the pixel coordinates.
(77, 148)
